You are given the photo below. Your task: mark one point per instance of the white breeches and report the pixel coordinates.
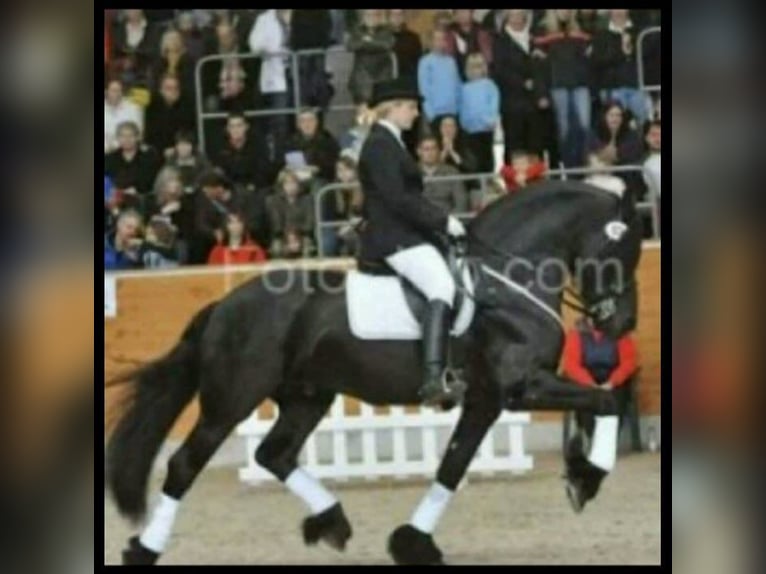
(425, 267)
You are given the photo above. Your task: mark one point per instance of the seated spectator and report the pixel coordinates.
(118, 110)
(122, 247)
(523, 170)
(167, 114)
(193, 39)
(175, 61)
(454, 151)
(212, 206)
(372, 43)
(439, 80)
(592, 359)
(132, 167)
(616, 143)
(292, 218)
(319, 149)
(407, 45)
(158, 250)
(136, 43)
(652, 161)
(451, 196)
(177, 206)
(351, 142)
(244, 158)
(189, 163)
(480, 113)
(467, 37)
(342, 205)
(227, 83)
(236, 247)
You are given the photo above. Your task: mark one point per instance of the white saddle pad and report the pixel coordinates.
(378, 309)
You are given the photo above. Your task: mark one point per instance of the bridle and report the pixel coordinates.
(599, 309)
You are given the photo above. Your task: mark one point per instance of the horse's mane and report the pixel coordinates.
(512, 205)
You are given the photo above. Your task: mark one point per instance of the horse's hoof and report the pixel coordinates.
(408, 545)
(576, 497)
(332, 526)
(138, 554)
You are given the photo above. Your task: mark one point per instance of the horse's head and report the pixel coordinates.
(605, 275)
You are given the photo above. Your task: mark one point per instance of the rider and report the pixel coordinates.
(402, 226)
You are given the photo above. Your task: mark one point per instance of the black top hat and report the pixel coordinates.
(404, 88)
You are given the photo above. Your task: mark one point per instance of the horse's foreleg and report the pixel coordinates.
(413, 543)
(278, 453)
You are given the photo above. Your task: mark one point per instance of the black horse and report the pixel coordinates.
(285, 336)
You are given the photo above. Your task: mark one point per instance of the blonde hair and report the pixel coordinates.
(284, 175)
(383, 110)
(552, 24)
(476, 59)
(167, 37)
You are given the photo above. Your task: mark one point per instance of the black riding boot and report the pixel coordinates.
(435, 389)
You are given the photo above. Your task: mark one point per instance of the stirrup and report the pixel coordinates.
(451, 391)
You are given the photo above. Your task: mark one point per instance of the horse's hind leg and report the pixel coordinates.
(225, 401)
(278, 453)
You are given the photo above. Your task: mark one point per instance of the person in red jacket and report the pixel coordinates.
(235, 246)
(523, 170)
(592, 359)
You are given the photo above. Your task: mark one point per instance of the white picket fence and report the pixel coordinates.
(372, 462)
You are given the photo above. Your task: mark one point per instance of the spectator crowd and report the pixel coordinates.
(555, 87)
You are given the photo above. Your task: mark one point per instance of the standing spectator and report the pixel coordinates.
(122, 247)
(451, 196)
(319, 148)
(522, 92)
(136, 42)
(480, 112)
(312, 30)
(616, 143)
(292, 218)
(243, 158)
(614, 55)
(168, 114)
(592, 359)
(372, 43)
(652, 162)
(567, 51)
(236, 246)
(407, 46)
(158, 250)
(438, 79)
(467, 37)
(213, 204)
(589, 21)
(270, 38)
(174, 60)
(117, 110)
(189, 163)
(132, 167)
(522, 171)
(454, 151)
(227, 83)
(495, 21)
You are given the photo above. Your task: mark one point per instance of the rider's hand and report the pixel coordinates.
(454, 227)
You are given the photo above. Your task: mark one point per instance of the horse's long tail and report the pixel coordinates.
(160, 391)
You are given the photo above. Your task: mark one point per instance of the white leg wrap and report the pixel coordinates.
(603, 450)
(156, 535)
(310, 490)
(431, 508)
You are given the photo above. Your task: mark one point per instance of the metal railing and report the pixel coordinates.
(651, 205)
(294, 57)
(640, 59)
